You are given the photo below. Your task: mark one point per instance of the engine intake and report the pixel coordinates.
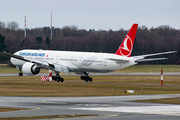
(30, 68)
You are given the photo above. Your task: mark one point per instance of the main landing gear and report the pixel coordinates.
(57, 77)
(20, 72)
(86, 77)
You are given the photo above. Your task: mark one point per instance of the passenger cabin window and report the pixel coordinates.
(39, 58)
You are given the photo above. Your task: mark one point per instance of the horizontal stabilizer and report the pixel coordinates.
(155, 54)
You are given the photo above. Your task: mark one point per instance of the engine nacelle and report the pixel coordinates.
(30, 68)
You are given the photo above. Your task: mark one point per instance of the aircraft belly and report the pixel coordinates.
(97, 67)
(127, 64)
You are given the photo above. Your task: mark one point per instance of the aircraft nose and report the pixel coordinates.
(12, 60)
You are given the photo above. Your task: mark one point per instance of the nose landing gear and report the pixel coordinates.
(20, 72)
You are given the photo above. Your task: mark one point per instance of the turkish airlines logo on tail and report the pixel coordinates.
(126, 47)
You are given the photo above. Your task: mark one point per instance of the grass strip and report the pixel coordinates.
(74, 87)
(11, 109)
(164, 100)
(47, 117)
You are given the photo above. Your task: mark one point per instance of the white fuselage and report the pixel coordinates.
(77, 61)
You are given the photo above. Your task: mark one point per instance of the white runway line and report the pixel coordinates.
(163, 110)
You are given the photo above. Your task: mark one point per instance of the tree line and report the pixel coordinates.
(70, 38)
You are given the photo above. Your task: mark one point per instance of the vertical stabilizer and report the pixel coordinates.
(125, 49)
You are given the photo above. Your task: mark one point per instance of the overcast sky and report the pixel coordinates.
(92, 14)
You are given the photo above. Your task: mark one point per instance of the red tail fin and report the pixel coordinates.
(126, 46)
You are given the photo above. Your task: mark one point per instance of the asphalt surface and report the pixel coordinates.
(107, 108)
(104, 74)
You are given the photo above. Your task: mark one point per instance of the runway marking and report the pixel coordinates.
(53, 101)
(38, 108)
(164, 110)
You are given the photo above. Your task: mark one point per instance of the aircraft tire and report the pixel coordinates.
(58, 79)
(62, 79)
(20, 74)
(82, 77)
(90, 79)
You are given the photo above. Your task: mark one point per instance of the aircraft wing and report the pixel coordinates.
(141, 58)
(51, 66)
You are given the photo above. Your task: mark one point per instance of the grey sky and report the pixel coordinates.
(92, 14)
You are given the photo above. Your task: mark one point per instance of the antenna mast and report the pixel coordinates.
(25, 28)
(51, 25)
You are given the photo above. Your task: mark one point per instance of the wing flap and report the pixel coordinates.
(61, 68)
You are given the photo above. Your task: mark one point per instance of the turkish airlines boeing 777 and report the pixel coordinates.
(31, 61)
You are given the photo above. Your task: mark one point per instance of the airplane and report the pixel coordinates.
(31, 61)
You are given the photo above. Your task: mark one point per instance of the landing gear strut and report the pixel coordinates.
(20, 72)
(57, 77)
(86, 77)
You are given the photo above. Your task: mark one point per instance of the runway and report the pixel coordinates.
(103, 74)
(107, 108)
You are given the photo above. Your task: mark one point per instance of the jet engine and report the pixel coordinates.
(30, 68)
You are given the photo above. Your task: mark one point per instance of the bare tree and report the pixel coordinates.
(12, 25)
(2, 25)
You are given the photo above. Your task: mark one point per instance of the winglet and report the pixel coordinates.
(125, 49)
